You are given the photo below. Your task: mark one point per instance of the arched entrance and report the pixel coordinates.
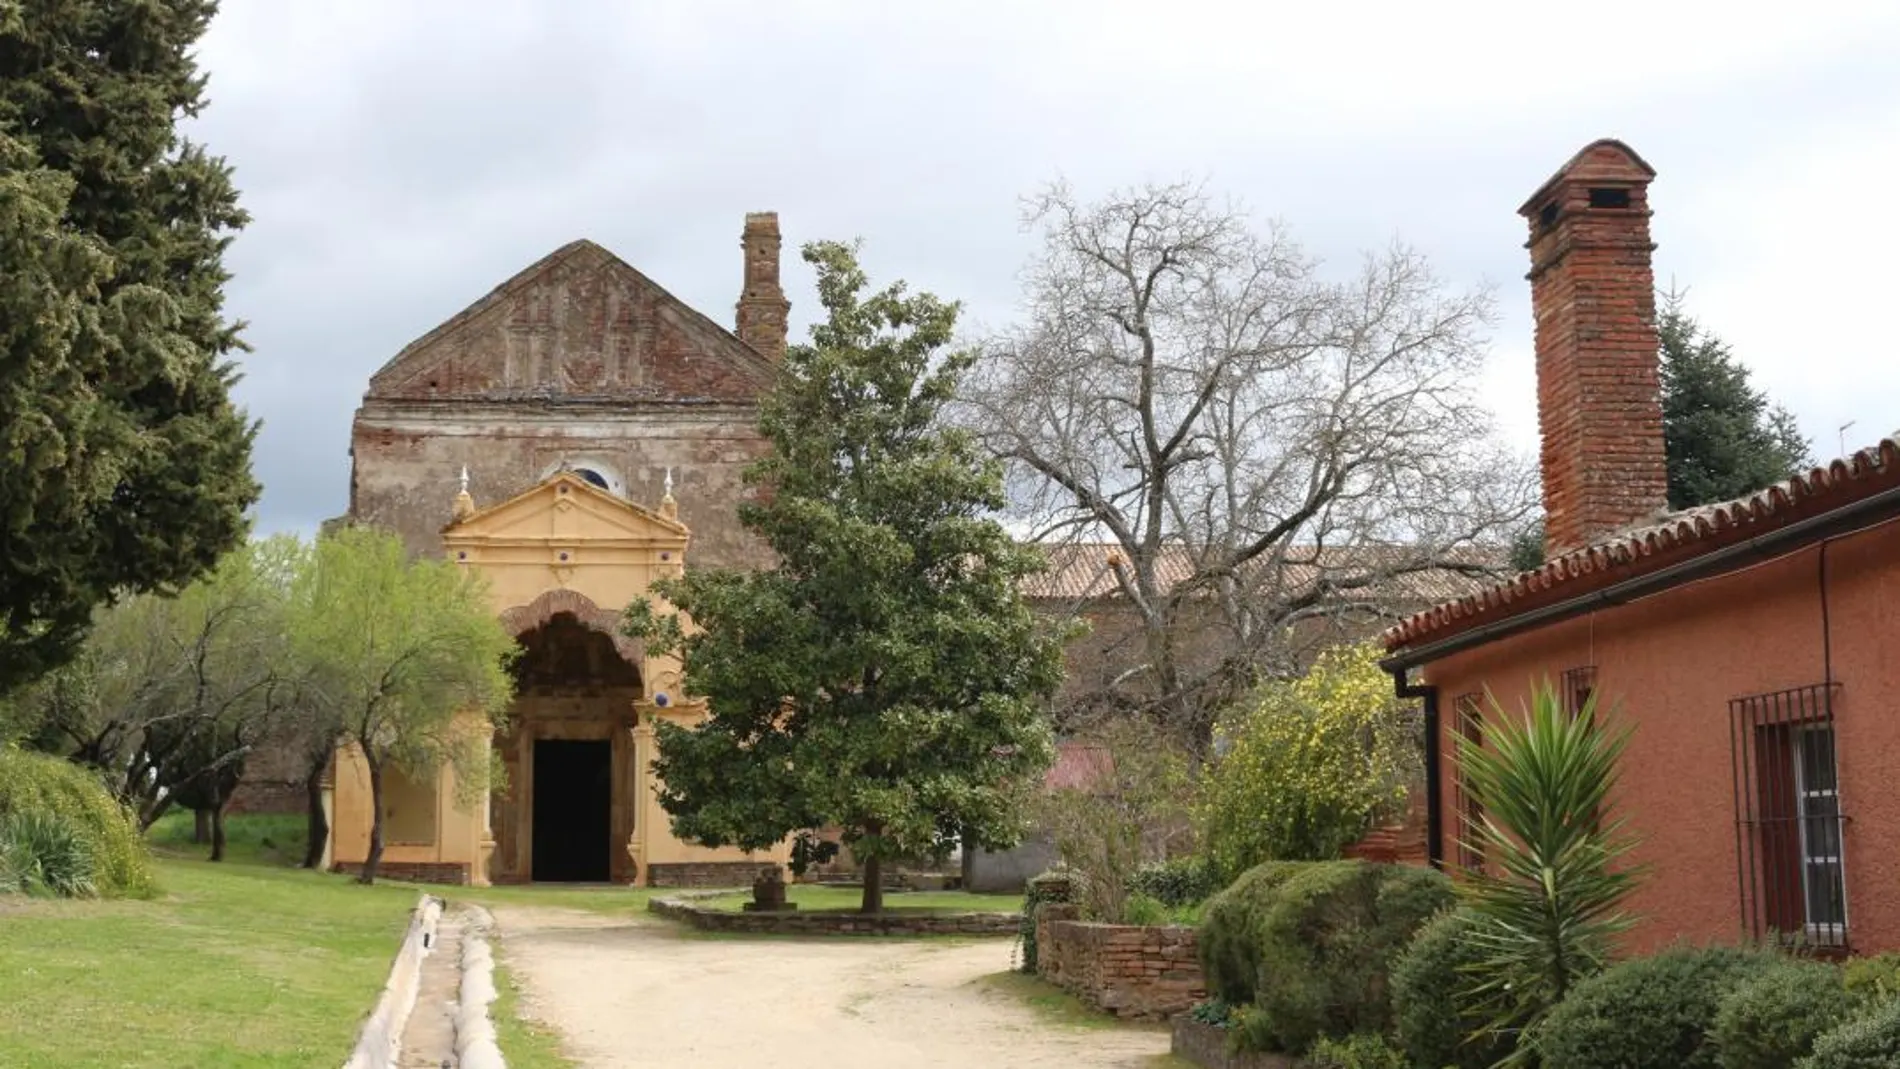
(567, 813)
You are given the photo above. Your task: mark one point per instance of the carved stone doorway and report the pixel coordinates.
(567, 754)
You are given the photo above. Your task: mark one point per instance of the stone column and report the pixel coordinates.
(640, 789)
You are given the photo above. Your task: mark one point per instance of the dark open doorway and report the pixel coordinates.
(573, 803)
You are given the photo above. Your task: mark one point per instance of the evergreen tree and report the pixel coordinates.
(124, 465)
(885, 677)
(1724, 438)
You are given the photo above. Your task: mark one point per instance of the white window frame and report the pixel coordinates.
(1826, 933)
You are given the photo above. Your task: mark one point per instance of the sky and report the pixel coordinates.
(400, 159)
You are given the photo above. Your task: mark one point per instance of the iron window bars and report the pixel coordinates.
(1789, 821)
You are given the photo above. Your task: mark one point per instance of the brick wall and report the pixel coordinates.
(448, 872)
(705, 873)
(1128, 970)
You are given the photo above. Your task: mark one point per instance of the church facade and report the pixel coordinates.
(570, 437)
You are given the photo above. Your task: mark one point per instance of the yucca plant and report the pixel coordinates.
(1549, 904)
(41, 851)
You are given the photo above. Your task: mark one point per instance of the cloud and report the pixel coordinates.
(401, 159)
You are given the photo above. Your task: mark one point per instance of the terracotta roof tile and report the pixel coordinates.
(1669, 539)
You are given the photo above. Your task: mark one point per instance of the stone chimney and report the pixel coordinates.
(1599, 399)
(763, 309)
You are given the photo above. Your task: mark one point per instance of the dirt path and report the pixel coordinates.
(642, 993)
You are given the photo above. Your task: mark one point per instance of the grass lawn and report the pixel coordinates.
(812, 896)
(248, 963)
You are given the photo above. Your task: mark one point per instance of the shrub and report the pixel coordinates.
(1361, 1050)
(1437, 1020)
(1877, 977)
(1770, 1020)
(1648, 1013)
(1230, 953)
(1551, 900)
(38, 783)
(1326, 942)
(1131, 806)
(1144, 909)
(42, 851)
(1869, 1041)
(1308, 764)
(1048, 887)
(1181, 881)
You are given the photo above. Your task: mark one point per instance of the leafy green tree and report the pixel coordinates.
(1304, 766)
(1549, 904)
(124, 465)
(171, 690)
(1723, 437)
(885, 676)
(409, 661)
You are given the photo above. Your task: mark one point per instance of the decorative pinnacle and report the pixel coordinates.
(465, 478)
(668, 485)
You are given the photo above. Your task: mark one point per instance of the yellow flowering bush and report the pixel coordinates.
(1304, 766)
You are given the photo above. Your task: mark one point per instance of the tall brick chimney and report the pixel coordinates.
(763, 309)
(1599, 400)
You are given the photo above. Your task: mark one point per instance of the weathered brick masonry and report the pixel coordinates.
(1128, 970)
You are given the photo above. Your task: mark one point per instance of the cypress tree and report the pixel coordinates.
(124, 465)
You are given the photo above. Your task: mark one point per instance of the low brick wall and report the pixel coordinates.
(827, 922)
(706, 873)
(449, 872)
(1206, 1046)
(1128, 970)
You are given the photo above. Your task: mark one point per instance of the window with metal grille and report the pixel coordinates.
(1470, 714)
(1788, 816)
(1579, 685)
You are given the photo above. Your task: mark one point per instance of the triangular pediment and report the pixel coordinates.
(580, 324)
(566, 508)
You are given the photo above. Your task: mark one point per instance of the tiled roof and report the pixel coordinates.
(1668, 540)
(1082, 570)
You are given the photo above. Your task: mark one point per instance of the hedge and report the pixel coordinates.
(38, 783)
(1649, 1013)
(1431, 1016)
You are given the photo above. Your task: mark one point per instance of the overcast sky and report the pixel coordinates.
(401, 157)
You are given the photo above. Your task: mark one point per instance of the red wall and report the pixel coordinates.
(1670, 664)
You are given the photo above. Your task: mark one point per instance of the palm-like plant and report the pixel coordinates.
(1550, 902)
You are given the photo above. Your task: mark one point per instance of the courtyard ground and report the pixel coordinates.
(624, 992)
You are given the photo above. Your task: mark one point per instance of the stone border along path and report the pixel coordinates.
(433, 1012)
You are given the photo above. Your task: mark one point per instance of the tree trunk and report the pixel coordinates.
(873, 885)
(316, 825)
(200, 826)
(376, 819)
(217, 832)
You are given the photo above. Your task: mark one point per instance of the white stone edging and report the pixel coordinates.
(380, 1042)
(475, 1046)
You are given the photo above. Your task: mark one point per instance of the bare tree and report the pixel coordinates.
(1262, 447)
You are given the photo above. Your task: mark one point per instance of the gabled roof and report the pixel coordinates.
(456, 339)
(557, 508)
(1670, 540)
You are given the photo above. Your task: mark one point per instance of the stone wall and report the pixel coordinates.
(1128, 970)
(448, 872)
(1206, 1046)
(705, 873)
(830, 922)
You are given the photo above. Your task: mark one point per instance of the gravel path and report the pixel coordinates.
(624, 993)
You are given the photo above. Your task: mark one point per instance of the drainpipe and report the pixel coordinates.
(1434, 817)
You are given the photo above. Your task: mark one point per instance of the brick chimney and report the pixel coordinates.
(763, 309)
(1599, 401)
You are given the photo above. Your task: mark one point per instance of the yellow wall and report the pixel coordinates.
(565, 535)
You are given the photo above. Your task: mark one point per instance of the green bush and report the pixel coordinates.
(1877, 977)
(1648, 1013)
(1139, 908)
(1230, 953)
(43, 852)
(1181, 881)
(1361, 1050)
(1869, 1041)
(38, 783)
(1326, 942)
(1431, 1014)
(1770, 1020)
